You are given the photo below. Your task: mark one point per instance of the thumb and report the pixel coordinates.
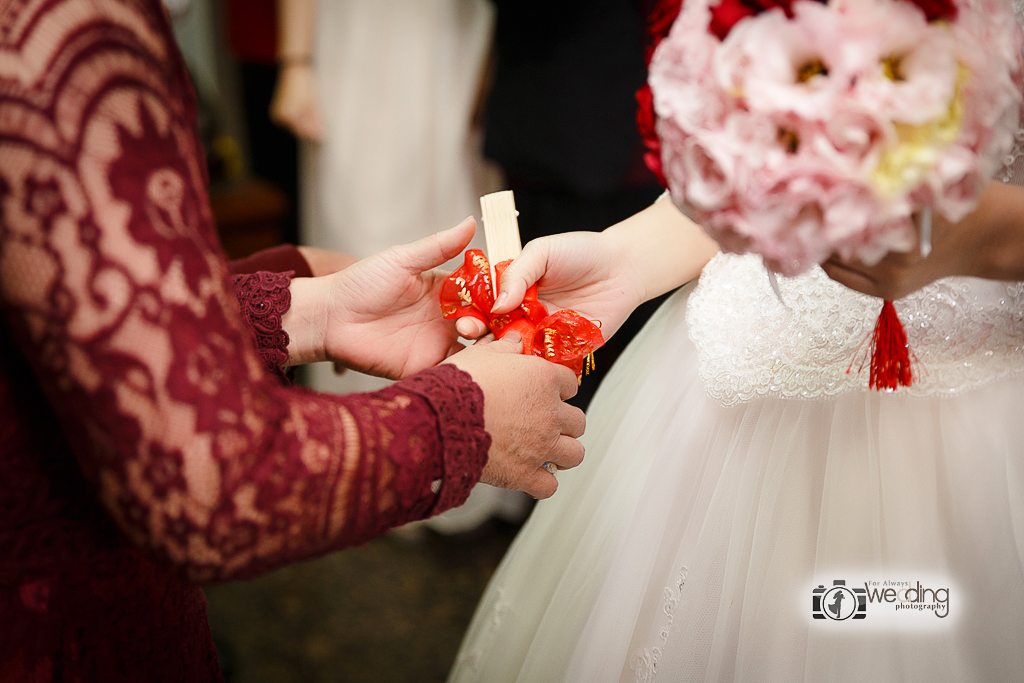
(470, 328)
(512, 342)
(523, 272)
(432, 251)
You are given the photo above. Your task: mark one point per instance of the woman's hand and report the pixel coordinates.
(901, 273)
(327, 262)
(988, 243)
(604, 276)
(525, 414)
(381, 315)
(583, 271)
(295, 104)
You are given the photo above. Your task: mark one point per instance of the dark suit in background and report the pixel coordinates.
(561, 120)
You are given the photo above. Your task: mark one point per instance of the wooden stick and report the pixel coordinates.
(501, 229)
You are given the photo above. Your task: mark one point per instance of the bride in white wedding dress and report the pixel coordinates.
(737, 475)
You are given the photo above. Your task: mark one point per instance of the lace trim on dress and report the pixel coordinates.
(262, 299)
(458, 402)
(645, 662)
(964, 333)
(468, 661)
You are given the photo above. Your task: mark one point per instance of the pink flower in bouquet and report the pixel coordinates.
(957, 183)
(802, 129)
(853, 140)
(776, 64)
(906, 67)
(800, 215)
(710, 172)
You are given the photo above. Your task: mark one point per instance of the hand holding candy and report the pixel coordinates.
(564, 337)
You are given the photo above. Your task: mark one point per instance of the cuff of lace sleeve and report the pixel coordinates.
(262, 299)
(459, 404)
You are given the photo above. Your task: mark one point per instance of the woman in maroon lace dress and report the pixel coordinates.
(144, 444)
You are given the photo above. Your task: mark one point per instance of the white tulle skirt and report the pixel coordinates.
(688, 545)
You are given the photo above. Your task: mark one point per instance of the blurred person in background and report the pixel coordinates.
(381, 92)
(273, 150)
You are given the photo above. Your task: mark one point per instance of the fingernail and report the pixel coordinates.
(513, 336)
(502, 298)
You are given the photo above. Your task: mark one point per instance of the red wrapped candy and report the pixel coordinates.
(565, 337)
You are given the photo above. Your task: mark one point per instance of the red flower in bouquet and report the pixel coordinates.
(645, 121)
(728, 13)
(935, 10)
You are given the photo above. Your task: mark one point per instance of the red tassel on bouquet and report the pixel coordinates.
(890, 352)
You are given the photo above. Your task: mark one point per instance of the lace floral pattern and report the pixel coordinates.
(964, 332)
(133, 404)
(263, 298)
(458, 402)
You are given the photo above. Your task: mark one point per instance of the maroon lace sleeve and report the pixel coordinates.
(114, 288)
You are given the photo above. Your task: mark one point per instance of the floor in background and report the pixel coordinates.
(392, 611)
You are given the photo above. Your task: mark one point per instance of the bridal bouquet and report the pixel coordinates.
(796, 129)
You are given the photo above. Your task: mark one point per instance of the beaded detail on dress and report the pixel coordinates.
(964, 332)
